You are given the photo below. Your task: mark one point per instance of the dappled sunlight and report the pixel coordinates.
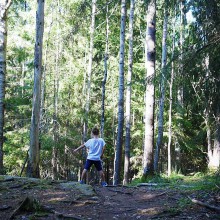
(148, 196)
(56, 196)
(152, 211)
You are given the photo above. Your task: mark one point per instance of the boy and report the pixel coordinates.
(96, 146)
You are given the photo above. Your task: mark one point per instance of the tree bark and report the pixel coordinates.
(213, 149)
(171, 100)
(149, 95)
(34, 151)
(216, 149)
(128, 96)
(180, 86)
(4, 6)
(105, 74)
(43, 87)
(182, 37)
(56, 100)
(208, 135)
(162, 92)
(118, 150)
(89, 72)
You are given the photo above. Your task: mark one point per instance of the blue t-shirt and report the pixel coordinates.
(95, 146)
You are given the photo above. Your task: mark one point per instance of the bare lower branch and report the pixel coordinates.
(8, 5)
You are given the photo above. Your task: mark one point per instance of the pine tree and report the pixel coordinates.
(4, 6)
(128, 95)
(162, 91)
(171, 98)
(149, 95)
(118, 150)
(105, 72)
(34, 151)
(89, 71)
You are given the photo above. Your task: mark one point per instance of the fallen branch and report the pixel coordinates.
(214, 208)
(131, 187)
(147, 184)
(115, 185)
(173, 198)
(161, 194)
(119, 191)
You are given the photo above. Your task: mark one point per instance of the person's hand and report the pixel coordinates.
(74, 151)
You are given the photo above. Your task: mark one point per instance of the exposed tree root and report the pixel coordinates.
(214, 208)
(28, 205)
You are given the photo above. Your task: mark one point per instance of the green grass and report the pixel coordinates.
(198, 181)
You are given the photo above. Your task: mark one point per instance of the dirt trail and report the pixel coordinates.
(68, 200)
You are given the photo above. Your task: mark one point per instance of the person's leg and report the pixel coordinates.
(102, 175)
(98, 166)
(86, 168)
(83, 174)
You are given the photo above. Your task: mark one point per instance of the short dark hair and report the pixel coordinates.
(95, 131)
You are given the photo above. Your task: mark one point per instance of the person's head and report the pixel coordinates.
(95, 131)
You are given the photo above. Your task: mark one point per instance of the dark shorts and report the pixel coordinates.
(97, 163)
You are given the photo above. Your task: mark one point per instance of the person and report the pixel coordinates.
(96, 147)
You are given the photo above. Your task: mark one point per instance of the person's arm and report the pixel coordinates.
(83, 145)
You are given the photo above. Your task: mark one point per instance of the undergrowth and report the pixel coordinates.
(197, 181)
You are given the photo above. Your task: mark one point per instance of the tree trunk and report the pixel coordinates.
(216, 148)
(208, 135)
(182, 37)
(180, 86)
(162, 92)
(56, 101)
(171, 98)
(34, 151)
(92, 30)
(55, 123)
(128, 96)
(105, 74)
(84, 90)
(43, 88)
(213, 150)
(149, 97)
(4, 6)
(118, 150)
(22, 83)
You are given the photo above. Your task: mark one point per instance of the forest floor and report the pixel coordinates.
(27, 198)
